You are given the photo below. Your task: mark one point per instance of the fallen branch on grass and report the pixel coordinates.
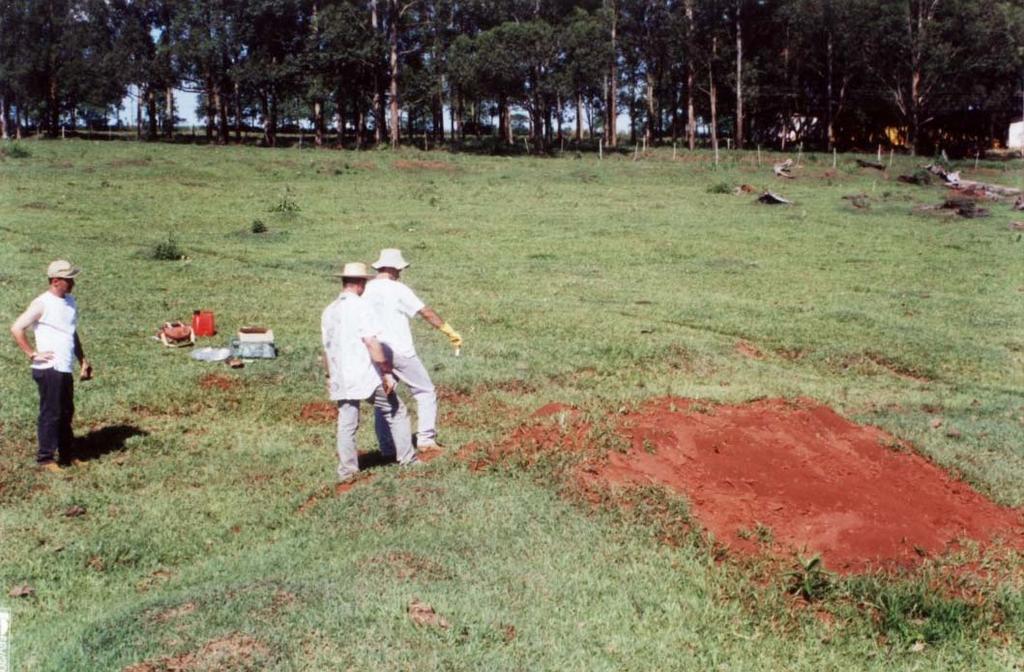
(870, 164)
(783, 169)
(953, 181)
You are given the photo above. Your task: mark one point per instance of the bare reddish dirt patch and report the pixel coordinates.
(796, 476)
(337, 490)
(406, 164)
(234, 652)
(319, 411)
(748, 350)
(215, 381)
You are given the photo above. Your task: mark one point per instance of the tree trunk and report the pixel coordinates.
(713, 94)
(236, 98)
(378, 89)
(739, 75)
(53, 101)
(613, 82)
(319, 124)
(169, 112)
(558, 118)
(211, 110)
(579, 115)
(393, 72)
(339, 105)
(138, 114)
(151, 111)
(651, 114)
(831, 122)
(223, 129)
(691, 80)
(3, 118)
(632, 110)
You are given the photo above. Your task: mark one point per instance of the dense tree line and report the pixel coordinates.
(823, 73)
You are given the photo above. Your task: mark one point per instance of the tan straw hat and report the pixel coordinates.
(391, 258)
(354, 269)
(62, 268)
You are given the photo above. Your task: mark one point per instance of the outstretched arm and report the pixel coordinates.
(428, 314)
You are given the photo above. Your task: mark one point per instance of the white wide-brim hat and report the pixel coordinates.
(354, 269)
(62, 268)
(391, 258)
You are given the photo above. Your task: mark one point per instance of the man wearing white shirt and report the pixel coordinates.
(53, 316)
(358, 370)
(394, 303)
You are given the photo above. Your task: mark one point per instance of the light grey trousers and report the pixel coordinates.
(391, 413)
(410, 370)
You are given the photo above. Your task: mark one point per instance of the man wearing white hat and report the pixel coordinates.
(53, 316)
(358, 370)
(394, 304)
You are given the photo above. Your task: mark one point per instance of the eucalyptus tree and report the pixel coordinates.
(586, 54)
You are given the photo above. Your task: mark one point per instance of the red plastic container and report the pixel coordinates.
(203, 323)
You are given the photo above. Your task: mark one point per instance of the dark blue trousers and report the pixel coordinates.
(56, 410)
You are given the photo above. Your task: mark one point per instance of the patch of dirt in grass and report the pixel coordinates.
(782, 476)
(232, 652)
(409, 566)
(881, 363)
(512, 386)
(554, 408)
(547, 431)
(407, 164)
(337, 490)
(174, 613)
(36, 205)
(217, 381)
(319, 411)
(450, 395)
(124, 163)
(748, 350)
(792, 354)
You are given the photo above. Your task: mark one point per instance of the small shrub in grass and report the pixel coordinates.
(258, 226)
(15, 150)
(167, 250)
(720, 188)
(808, 579)
(286, 205)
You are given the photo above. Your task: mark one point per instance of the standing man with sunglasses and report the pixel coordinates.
(53, 316)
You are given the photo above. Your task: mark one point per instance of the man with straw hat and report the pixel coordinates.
(394, 304)
(358, 370)
(53, 316)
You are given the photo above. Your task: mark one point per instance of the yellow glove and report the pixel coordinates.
(452, 335)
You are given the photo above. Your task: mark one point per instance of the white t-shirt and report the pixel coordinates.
(394, 303)
(55, 330)
(344, 324)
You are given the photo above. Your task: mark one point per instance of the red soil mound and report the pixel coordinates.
(216, 381)
(319, 411)
(803, 478)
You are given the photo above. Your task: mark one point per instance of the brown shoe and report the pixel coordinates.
(50, 467)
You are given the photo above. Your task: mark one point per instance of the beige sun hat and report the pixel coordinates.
(354, 269)
(391, 258)
(62, 268)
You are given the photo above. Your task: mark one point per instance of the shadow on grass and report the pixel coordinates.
(99, 442)
(371, 460)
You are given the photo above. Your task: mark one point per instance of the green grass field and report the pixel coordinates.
(589, 282)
